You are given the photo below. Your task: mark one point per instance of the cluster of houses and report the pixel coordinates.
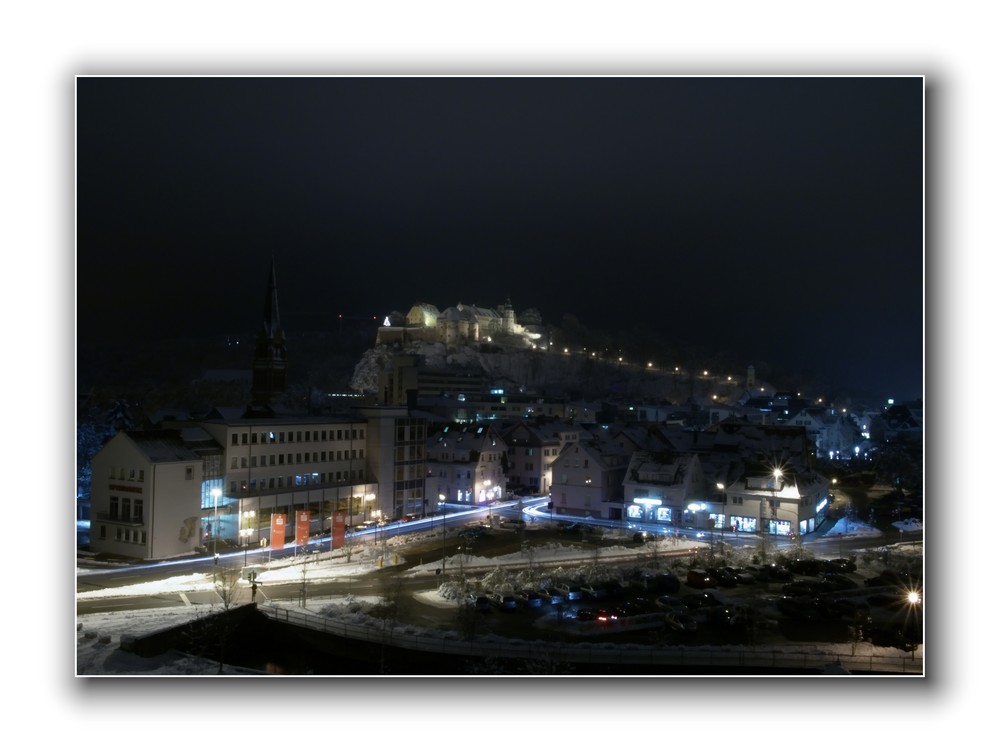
(227, 475)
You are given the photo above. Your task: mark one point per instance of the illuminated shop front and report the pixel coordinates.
(743, 524)
(646, 509)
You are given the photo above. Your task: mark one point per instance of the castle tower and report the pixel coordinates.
(270, 361)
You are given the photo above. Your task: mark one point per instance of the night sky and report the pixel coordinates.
(779, 219)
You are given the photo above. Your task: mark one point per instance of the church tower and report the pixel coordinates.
(270, 361)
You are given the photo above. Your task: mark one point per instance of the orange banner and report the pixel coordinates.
(277, 532)
(339, 521)
(301, 528)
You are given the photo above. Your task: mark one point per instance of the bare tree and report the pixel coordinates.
(228, 589)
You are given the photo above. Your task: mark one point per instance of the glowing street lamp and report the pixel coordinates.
(216, 493)
(722, 495)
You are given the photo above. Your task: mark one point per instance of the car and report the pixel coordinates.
(838, 581)
(803, 587)
(553, 596)
(699, 578)
(770, 573)
(700, 600)
(585, 614)
(595, 592)
(482, 603)
(604, 615)
(473, 533)
(530, 599)
(570, 592)
(634, 607)
(744, 576)
(724, 616)
(514, 523)
(808, 567)
(724, 577)
(645, 536)
(670, 603)
(839, 565)
(680, 621)
(505, 601)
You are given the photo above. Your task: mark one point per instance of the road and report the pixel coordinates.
(426, 549)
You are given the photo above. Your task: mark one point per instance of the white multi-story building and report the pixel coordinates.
(587, 478)
(222, 477)
(465, 464)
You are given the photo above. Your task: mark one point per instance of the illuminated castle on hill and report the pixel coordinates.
(461, 325)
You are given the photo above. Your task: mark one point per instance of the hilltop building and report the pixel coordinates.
(460, 325)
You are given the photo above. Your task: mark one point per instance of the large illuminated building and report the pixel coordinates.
(223, 476)
(462, 325)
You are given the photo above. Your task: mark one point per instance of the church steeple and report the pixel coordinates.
(270, 362)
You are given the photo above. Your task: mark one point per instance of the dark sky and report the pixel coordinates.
(777, 218)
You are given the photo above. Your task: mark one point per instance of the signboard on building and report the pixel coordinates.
(339, 521)
(277, 532)
(301, 527)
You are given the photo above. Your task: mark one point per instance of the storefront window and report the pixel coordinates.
(744, 524)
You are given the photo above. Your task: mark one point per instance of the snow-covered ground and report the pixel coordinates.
(98, 635)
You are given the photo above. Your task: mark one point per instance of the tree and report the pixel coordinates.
(228, 589)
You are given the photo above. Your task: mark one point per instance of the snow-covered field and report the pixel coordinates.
(98, 635)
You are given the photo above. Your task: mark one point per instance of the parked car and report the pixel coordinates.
(670, 603)
(802, 587)
(699, 578)
(744, 576)
(473, 533)
(771, 573)
(552, 595)
(679, 621)
(700, 600)
(595, 592)
(634, 607)
(722, 576)
(810, 567)
(838, 581)
(585, 614)
(839, 565)
(483, 603)
(505, 601)
(570, 592)
(645, 536)
(530, 599)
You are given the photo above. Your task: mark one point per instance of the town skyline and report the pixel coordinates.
(781, 217)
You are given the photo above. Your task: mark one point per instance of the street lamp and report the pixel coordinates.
(247, 530)
(216, 493)
(722, 541)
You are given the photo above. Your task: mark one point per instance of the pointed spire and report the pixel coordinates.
(270, 363)
(272, 321)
